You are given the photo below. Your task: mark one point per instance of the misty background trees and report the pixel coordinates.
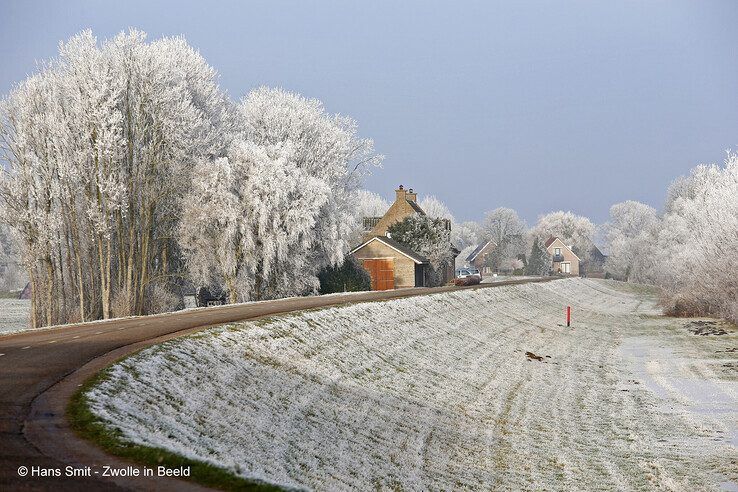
(691, 249)
(508, 232)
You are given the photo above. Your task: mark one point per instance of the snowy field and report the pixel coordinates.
(14, 314)
(476, 389)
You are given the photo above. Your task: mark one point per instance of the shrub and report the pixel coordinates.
(121, 305)
(348, 277)
(163, 300)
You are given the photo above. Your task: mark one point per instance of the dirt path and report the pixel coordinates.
(39, 370)
(481, 390)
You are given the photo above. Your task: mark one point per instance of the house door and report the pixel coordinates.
(382, 272)
(566, 267)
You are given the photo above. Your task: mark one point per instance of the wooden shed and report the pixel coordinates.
(390, 264)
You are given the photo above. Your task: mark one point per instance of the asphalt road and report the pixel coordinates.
(40, 370)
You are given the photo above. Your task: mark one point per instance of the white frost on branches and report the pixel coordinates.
(435, 208)
(282, 203)
(629, 235)
(369, 204)
(99, 146)
(463, 234)
(507, 231)
(691, 251)
(573, 230)
(107, 144)
(697, 246)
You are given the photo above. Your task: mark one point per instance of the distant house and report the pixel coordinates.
(26, 292)
(478, 257)
(390, 264)
(563, 261)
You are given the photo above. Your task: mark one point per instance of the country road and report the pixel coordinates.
(40, 371)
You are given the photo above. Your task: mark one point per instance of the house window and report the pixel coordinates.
(566, 267)
(557, 251)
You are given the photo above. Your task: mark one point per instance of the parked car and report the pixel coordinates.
(205, 298)
(467, 276)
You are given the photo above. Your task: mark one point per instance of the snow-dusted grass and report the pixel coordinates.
(14, 314)
(437, 392)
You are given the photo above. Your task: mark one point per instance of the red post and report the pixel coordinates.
(568, 315)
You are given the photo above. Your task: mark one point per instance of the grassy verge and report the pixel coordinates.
(90, 427)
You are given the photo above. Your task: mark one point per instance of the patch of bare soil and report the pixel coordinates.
(540, 358)
(727, 350)
(705, 328)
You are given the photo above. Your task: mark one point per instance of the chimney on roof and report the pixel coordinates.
(411, 195)
(400, 193)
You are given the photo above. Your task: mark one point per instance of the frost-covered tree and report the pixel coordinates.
(99, 145)
(691, 251)
(696, 253)
(463, 234)
(11, 271)
(574, 230)
(539, 261)
(366, 204)
(464, 254)
(507, 230)
(435, 208)
(287, 192)
(325, 146)
(369, 204)
(427, 236)
(247, 224)
(630, 241)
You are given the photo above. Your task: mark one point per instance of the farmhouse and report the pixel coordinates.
(564, 261)
(478, 257)
(390, 264)
(405, 205)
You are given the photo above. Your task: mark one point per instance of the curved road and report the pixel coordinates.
(40, 371)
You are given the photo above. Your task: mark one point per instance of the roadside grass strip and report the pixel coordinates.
(475, 389)
(110, 438)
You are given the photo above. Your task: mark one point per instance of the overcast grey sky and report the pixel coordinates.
(537, 106)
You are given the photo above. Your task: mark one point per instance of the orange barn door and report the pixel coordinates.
(382, 273)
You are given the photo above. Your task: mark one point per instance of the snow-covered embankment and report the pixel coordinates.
(477, 388)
